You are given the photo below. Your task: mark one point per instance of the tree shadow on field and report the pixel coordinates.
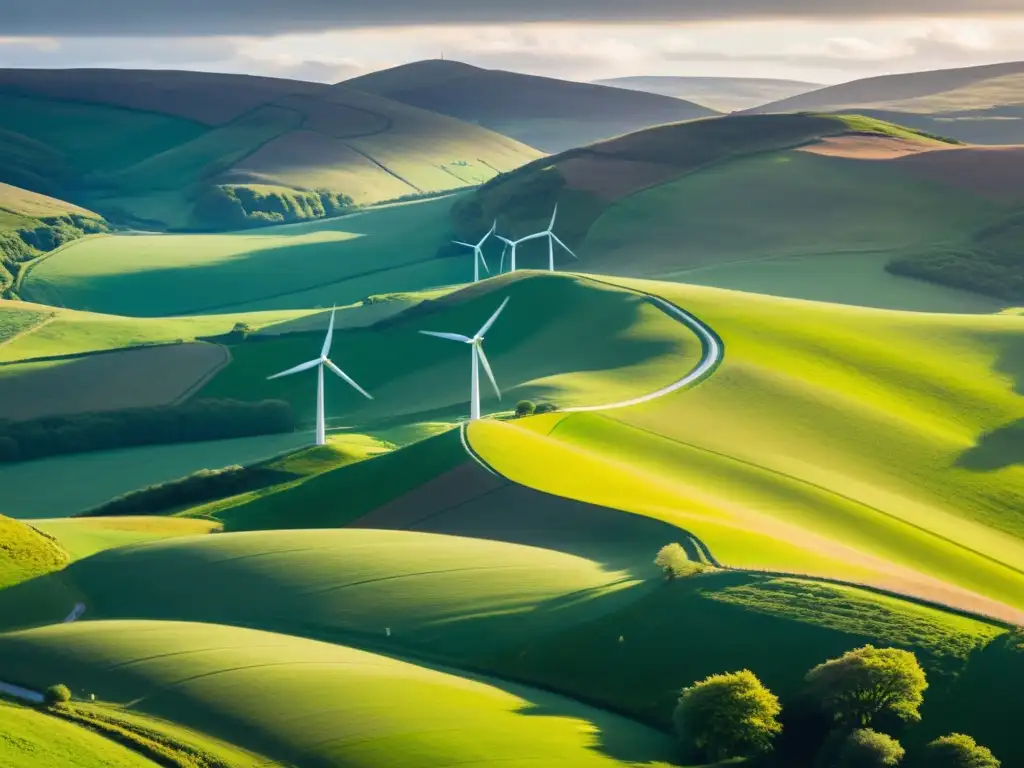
(1002, 447)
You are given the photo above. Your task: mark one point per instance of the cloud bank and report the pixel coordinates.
(273, 17)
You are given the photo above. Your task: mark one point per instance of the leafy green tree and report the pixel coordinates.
(958, 751)
(57, 694)
(525, 408)
(726, 716)
(545, 408)
(867, 682)
(674, 562)
(864, 748)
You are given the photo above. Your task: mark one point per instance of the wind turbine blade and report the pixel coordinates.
(554, 213)
(487, 369)
(349, 379)
(489, 233)
(480, 253)
(567, 248)
(330, 335)
(504, 240)
(489, 323)
(503, 252)
(449, 336)
(459, 242)
(296, 369)
(534, 236)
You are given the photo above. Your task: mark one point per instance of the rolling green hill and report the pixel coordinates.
(575, 342)
(725, 94)
(342, 706)
(188, 150)
(805, 206)
(982, 105)
(832, 441)
(547, 113)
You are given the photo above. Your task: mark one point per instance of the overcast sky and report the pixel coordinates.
(822, 41)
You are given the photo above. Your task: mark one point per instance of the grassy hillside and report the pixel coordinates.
(82, 537)
(39, 331)
(190, 150)
(344, 706)
(25, 553)
(340, 261)
(29, 739)
(827, 203)
(983, 105)
(550, 114)
(32, 224)
(832, 441)
(571, 341)
(725, 94)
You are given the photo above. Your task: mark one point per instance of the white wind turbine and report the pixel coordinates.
(476, 343)
(514, 243)
(319, 363)
(478, 252)
(552, 239)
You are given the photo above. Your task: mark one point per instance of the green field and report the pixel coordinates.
(67, 332)
(343, 706)
(29, 739)
(294, 266)
(88, 479)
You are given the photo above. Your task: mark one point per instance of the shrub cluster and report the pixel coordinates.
(857, 697)
(204, 485)
(193, 421)
(57, 694)
(991, 263)
(238, 207)
(675, 563)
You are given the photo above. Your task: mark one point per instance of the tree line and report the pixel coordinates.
(852, 706)
(193, 421)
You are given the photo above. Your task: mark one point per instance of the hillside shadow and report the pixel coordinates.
(1002, 447)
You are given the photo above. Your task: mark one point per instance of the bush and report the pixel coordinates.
(201, 486)
(727, 716)
(57, 694)
(863, 748)
(958, 751)
(867, 683)
(525, 408)
(545, 408)
(674, 562)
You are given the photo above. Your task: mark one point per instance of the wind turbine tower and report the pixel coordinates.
(478, 252)
(319, 363)
(478, 358)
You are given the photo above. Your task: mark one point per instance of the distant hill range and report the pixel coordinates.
(981, 105)
(552, 115)
(191, 150)
(724, 94)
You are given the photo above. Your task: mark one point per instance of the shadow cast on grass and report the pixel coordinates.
(1002, 447)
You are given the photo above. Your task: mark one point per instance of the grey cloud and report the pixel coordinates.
(272, 17)
(105, 52)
